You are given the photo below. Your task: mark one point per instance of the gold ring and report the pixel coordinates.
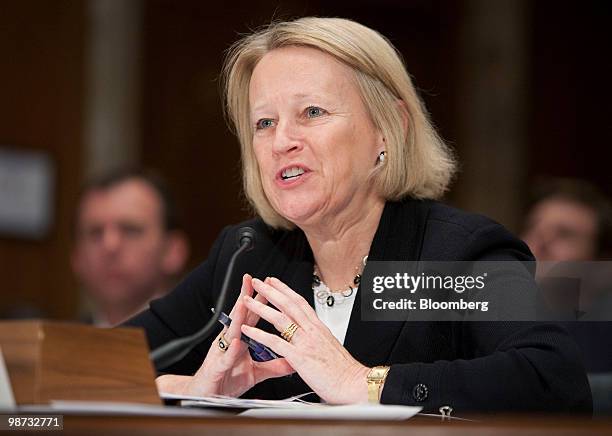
(222, 343)
(288, 333)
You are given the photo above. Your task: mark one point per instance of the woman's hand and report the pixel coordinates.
(232, 372)
(317, 356)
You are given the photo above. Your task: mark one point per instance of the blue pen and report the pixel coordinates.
(259, 352)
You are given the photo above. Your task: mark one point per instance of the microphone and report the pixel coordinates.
(173, 351)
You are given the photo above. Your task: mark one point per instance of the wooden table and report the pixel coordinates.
(419, 425)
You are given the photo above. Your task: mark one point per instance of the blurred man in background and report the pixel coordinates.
(571, 221)
(129, 248)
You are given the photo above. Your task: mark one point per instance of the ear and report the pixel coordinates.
(176, 254)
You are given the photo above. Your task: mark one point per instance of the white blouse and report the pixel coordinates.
(336, 317)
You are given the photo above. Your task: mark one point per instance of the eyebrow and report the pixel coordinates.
(297, 96)
(301, 95)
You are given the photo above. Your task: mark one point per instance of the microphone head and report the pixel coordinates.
(246, 236)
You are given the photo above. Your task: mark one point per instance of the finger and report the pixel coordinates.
(230, 357)
(238, 318)
(282, 302)
(246, 289)
(174, 384)
(278, 345)
(272, 369)
(279, 320)
(297, 299)
(252, 317)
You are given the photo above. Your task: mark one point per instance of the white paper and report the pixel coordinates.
(239, 403)
(295, 408)
(7, 399)
(349, 412)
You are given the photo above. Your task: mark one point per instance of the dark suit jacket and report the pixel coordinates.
(467, 365)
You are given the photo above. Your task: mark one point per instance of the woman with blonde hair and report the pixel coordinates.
(342, 166)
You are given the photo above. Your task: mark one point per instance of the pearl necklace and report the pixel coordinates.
(324, 295)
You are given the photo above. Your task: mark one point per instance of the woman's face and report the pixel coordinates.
(312, 137)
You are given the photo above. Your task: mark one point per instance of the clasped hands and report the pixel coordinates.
(313, 352)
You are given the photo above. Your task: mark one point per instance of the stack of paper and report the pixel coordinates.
(350, 412)
(295, 408)
(240, 403)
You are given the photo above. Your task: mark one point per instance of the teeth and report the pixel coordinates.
(292, 172)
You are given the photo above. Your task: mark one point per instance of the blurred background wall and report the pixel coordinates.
(519, 88)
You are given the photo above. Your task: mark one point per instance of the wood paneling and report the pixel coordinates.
(41, 88)
(571, 90)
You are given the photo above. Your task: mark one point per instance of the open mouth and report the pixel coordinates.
(292, 173)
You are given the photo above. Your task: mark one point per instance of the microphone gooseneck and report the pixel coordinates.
(173, 351)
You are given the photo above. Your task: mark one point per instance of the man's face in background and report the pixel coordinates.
(559, 229)
(121, 243)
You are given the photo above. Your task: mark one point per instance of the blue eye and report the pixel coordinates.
(314, 111)
(264, 123)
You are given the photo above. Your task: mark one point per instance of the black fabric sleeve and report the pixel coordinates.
(509, 366)
(535, 367)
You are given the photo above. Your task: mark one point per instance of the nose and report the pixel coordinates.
(288, 137)
(111, 240)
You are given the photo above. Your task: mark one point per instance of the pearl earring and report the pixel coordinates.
(381, 157)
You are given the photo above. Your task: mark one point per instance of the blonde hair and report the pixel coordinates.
(417, 164)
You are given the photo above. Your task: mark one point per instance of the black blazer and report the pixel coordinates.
(470, 366)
